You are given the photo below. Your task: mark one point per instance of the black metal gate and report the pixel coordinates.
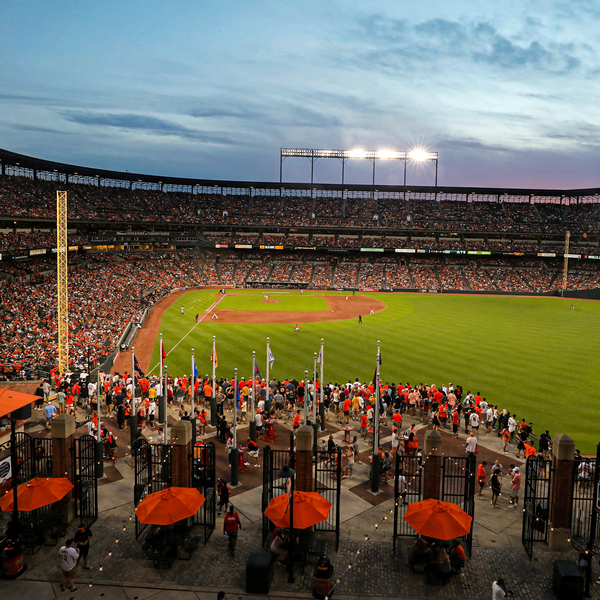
(458, 486)
(86, 482)
(585, 501)
(327, 482)
(407, 489)
(273, 460)
(152, 469)
(204, 479)
(536, 502)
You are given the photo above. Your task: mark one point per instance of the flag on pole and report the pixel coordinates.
(195, 370)
(319, 358)
(271, 358)
(136, 366)
(214, 358)
(163, 354)
(257, 372)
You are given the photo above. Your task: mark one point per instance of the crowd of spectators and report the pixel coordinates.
(107, 291)
(22, 240)
(345, 275)
(21, 196)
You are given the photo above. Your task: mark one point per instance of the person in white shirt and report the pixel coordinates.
(471, 443)
(68, 564)
(395, 442)
(512, 425)
(489, 418)
(259, 423)
(90, 427)
(474, 422)
(498, 591)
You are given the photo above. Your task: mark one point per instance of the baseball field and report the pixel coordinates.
(533, 356)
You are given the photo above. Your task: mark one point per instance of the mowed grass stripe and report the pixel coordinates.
(533, 356)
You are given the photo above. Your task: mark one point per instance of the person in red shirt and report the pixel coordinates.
(455, 421)
(231, 524)
(347, 403)
(481, 478)
(202, 422)
(363, 426)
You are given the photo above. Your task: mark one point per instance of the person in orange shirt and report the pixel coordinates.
(208, 391)
(347, 403)
(296, 422)
(505, 440)
(529, 450)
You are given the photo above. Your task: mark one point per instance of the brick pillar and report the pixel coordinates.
(63, 457)
(181, 449)
(432, 465)
(561, 492)
(304, 458)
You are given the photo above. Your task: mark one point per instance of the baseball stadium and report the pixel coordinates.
(376, 346)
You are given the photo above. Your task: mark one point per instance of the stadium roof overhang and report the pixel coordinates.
(8, 158)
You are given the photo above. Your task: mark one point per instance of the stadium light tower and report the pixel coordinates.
(313, 154)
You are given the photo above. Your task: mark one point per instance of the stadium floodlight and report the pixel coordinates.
(417, 155)
(356, 154)
(420, 155)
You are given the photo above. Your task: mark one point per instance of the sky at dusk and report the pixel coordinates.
(507, 92)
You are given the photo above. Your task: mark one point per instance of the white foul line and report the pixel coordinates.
(209, 309)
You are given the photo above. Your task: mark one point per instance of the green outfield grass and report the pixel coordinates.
(533, 356)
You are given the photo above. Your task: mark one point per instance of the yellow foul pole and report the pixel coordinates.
(63, 290)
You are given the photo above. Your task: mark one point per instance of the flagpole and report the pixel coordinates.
(235, 403)
(252, 414)
(314, 395)
(161, 373)
(375, 467)
(322, 405)
(99, 446)
(192, 413)
(165, 404)
(213, 400)
(305, 397)
(133, 419)
(267, 403)
(233, 455)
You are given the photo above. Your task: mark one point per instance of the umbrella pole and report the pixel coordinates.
(13, 466)
(292, 537)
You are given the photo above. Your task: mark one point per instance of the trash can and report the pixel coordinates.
(12, 561)
(323, 575)
(259, 572)
(567, 581)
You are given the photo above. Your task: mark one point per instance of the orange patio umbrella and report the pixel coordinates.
(36, 493)
(310, 508)
(439, 520)
(169, 506)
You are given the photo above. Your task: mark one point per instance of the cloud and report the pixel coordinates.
(21, 127)
(143, 123)
(277, 113)
(479, 42)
